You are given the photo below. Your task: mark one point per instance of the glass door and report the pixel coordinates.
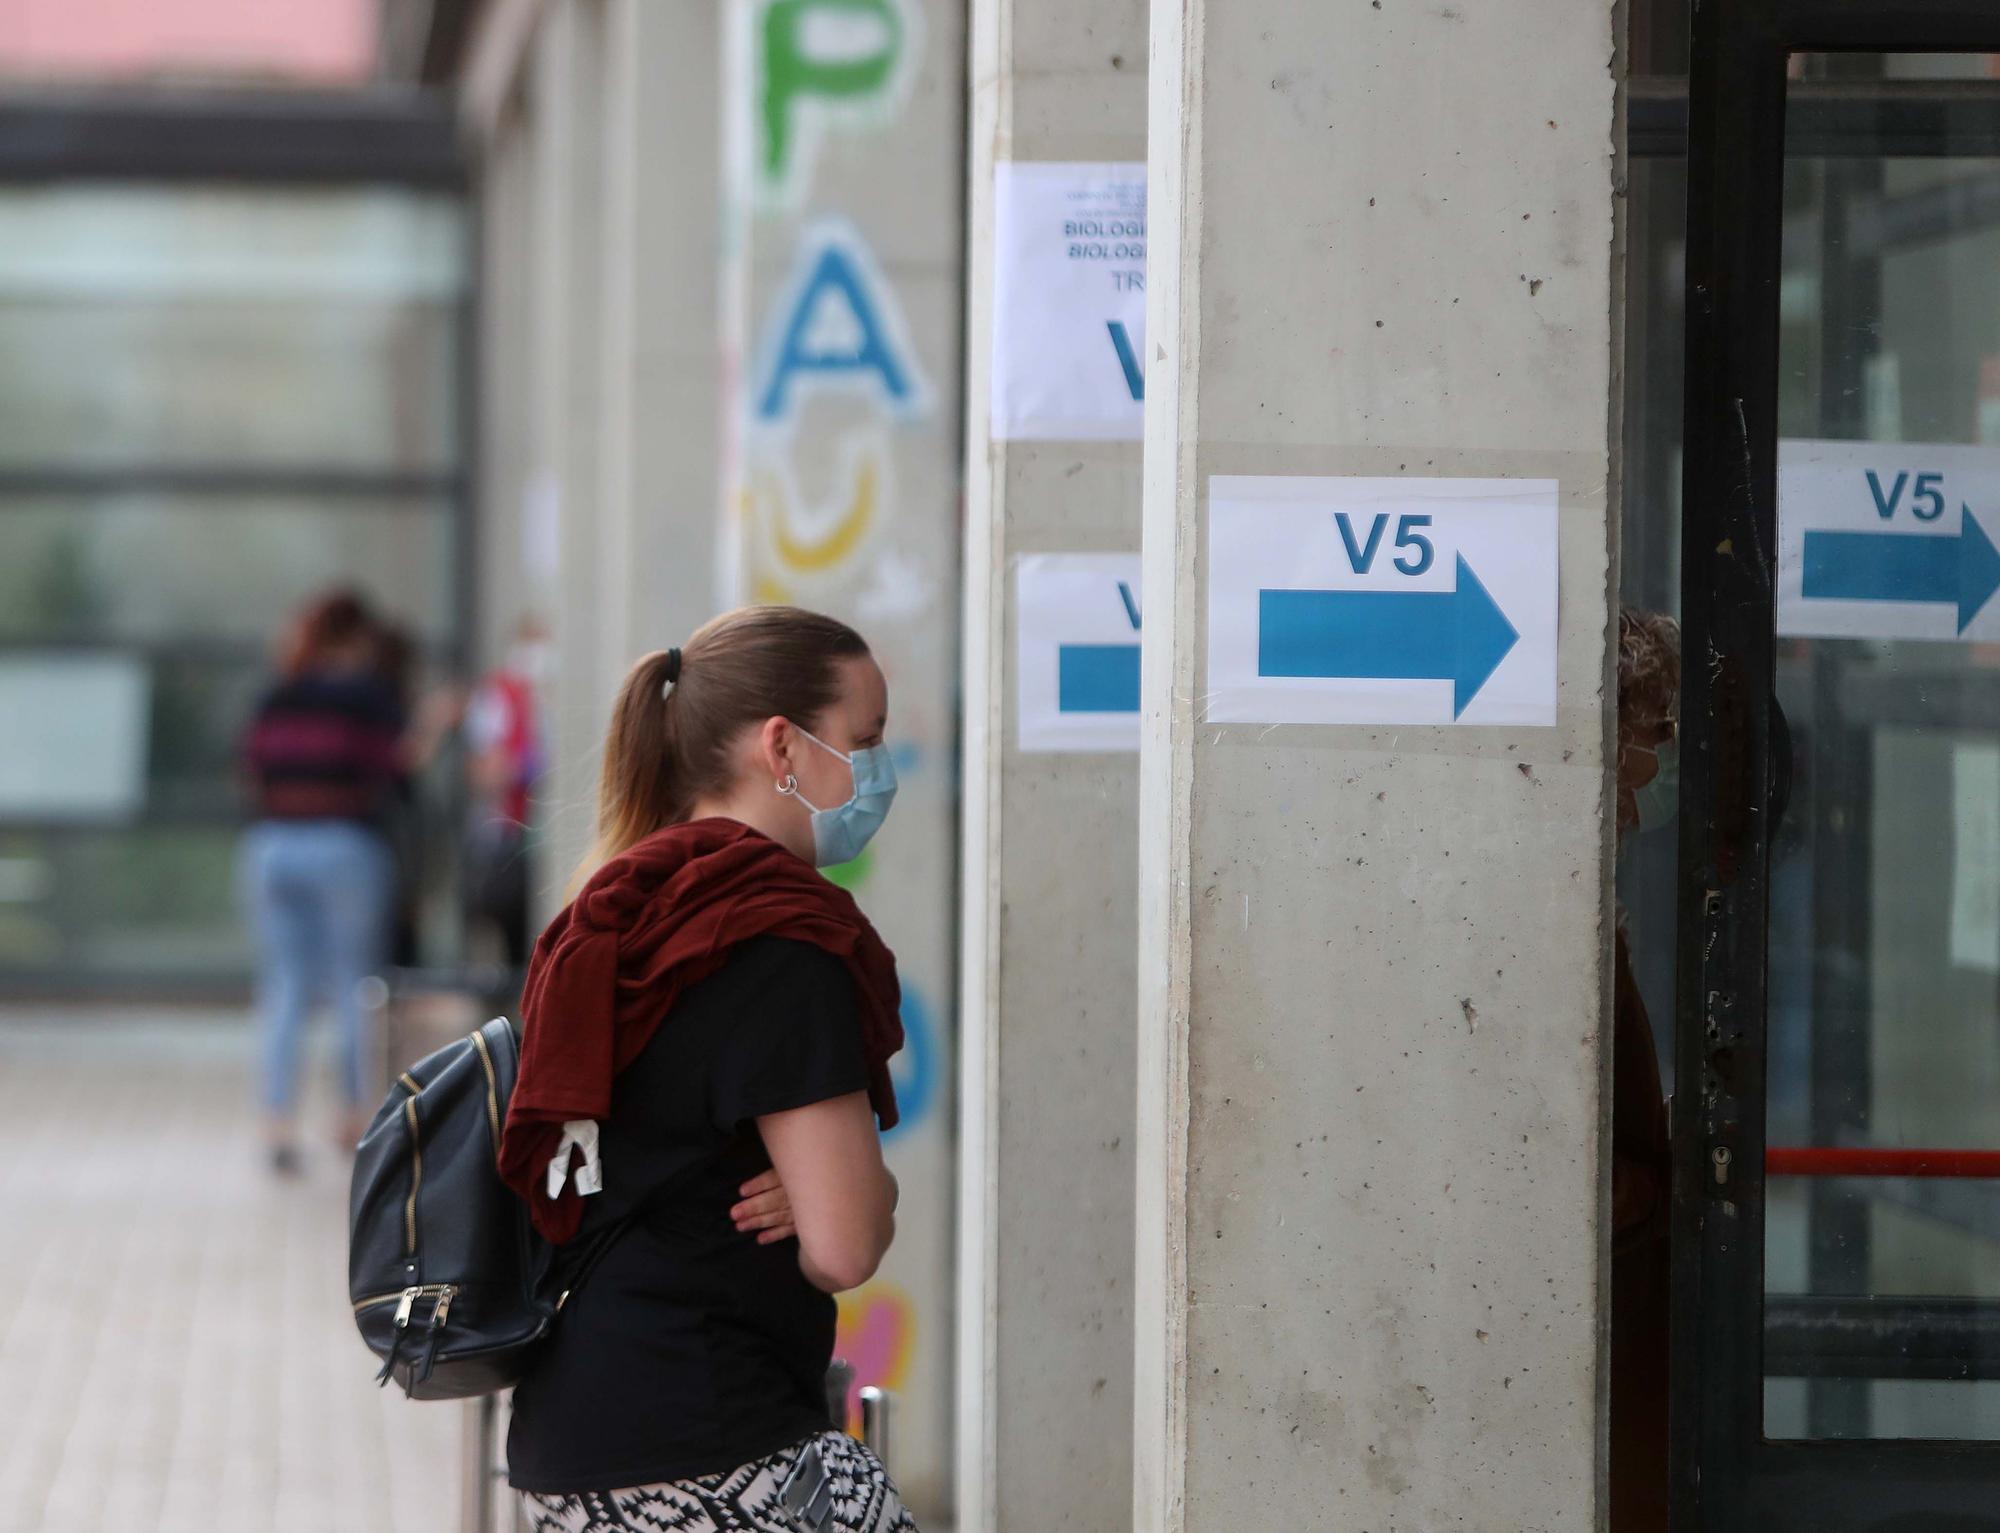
(1838, 1093)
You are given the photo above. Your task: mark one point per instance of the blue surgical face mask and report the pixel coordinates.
(1660, 799)
(839, 833)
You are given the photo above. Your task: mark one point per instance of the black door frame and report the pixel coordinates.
(1726, 1475)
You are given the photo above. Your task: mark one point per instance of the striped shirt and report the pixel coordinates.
(325, 745)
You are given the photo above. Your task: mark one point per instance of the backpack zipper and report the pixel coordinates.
(406, 1301)
(408, 1298)
(416, 1177)
(436, 1338)
(492, 1090)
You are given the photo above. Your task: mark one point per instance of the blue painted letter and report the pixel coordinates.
(837, 330)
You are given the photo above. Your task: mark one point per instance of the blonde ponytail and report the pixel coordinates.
(679, 711)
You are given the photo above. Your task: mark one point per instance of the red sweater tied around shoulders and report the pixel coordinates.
(649, 923)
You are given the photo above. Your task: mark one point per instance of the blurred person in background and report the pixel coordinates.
(324, 758)
(1648, 781)
(503, 764)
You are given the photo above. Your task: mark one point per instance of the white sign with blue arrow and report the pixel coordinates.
(1888, 540)
(1381, 601)
(1077, 626)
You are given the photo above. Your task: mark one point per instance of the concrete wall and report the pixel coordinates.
(661, 326)
(1050, 866)
(843, 300)
(668, 176)
(506, 282)
(602, 349)
(565, 86)
(1373, 962)
(646, 328)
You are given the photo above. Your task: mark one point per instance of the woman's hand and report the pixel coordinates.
(766, 1209)
(829, 1159)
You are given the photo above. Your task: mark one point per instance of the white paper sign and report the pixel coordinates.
(1077, 624)
(78, 744)
(1381, 601)
(1888, 540)
(1069, 302)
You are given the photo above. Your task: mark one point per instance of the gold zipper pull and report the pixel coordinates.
(404, 1305)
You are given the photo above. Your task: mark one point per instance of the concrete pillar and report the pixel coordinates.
(660, 326)
(1373, 962)
(505, 384)
(617, 532)
(566, 86)
(1050, 847)
(843, 263)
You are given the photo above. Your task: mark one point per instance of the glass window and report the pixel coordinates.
(1883, 1207)
(215, 401)
(120, 905)
(159, 567)
(1657, 37)
(167, 326)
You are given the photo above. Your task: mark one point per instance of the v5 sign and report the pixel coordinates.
(1381, 601)
(1888, 540)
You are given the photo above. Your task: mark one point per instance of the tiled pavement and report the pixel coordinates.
(176, 1349)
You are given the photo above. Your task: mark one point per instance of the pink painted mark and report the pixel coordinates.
(322, 42)
(876, 1335)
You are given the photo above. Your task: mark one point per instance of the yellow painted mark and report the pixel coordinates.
(839, 545)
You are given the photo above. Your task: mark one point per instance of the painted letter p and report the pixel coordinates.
(837, 51)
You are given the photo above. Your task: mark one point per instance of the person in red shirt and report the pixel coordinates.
(504, 762)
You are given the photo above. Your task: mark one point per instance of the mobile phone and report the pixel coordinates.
(807, 1494)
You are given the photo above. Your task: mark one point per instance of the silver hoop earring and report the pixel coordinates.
(789, 787)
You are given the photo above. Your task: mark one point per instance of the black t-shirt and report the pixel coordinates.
(689, 1349)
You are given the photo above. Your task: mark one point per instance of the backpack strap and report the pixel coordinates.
(600, 1245)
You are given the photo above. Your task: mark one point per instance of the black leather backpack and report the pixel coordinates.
(449, 1280)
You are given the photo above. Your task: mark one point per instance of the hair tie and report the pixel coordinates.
(673, 669)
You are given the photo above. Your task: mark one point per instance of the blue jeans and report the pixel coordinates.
(318, 893)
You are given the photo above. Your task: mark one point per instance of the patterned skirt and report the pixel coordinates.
(743, 1501)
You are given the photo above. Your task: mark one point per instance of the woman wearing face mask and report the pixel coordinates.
(704, 1063)
(1649, 684)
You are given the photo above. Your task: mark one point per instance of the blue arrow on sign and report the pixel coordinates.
(1905, 566)
(1097, 678)
(1457, 636)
